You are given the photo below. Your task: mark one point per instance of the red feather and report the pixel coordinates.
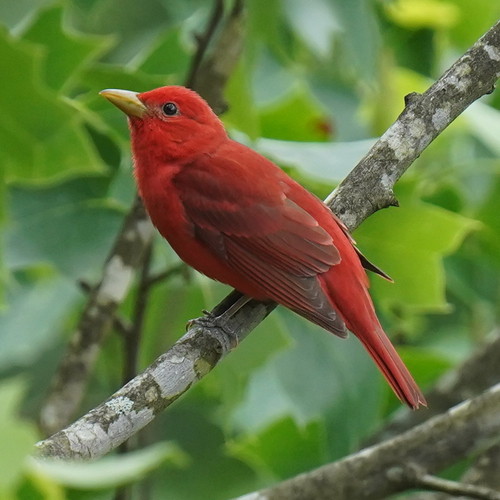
(235, 216)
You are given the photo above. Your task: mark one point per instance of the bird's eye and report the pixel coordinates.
(170, 109)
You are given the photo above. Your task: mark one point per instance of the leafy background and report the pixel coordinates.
(318, 81)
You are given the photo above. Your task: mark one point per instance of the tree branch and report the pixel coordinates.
(368, 187)
(195, 354)
(70, 381)
(379, 471)
(475, 375)
(203, 40)
(418, 477)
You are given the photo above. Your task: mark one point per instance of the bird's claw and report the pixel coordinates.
(218, 328)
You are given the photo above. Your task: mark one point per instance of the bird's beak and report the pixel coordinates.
(126, 100)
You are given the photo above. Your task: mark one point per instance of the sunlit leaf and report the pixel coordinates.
(474, 19)
(415, 14)
(410, 243)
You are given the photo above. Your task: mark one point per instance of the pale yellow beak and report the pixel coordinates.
(126, 100)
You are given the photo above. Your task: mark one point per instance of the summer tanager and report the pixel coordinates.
(238, 218)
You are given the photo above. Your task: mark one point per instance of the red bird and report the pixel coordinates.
(238, 218)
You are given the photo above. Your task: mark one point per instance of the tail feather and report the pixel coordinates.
(392, 367)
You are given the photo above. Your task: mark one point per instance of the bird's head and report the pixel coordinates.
(171, 122)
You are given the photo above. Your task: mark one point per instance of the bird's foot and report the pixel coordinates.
(218, 328)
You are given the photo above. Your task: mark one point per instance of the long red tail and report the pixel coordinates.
(346, 285)
(392, 367)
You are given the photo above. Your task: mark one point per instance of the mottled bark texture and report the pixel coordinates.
(368, 187)
(70, 380)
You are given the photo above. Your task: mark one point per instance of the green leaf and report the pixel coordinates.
(409, 244)
(23, 336)
(242, 113)
(70, 225)
(396, 83)
(415, 14)
(13, 14)
(41, 136)
(22, 89)
(475, 18)
(229, 379)
(156, 62)
(296, 117)
(342, 102)
(134, 25)
(271, 80)
(314, 380)
(211, 469)
(330, 161)
(65, 52)
(283, 449)
(360, 39)
(488, 214)
(16, 435)
(484, 122)
(275, 35)
(111, 471)
(39, 487)
(315, 22)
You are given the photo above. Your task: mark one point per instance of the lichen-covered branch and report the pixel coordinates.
(136, 404)
(368, 187)
(69, 382)
(207, 342)
(385, 469)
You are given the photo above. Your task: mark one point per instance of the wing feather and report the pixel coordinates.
(261, 233)
(302, 294)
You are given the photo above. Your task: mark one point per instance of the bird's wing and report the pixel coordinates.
(250, 223)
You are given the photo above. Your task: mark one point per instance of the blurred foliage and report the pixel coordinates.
(318, 81)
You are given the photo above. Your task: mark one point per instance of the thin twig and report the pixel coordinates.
(455, 488)
(203, 41)
(132, 340)
(415, 475)
(71, 377)
(179, 268)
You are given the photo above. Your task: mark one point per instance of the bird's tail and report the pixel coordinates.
(392, 367)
